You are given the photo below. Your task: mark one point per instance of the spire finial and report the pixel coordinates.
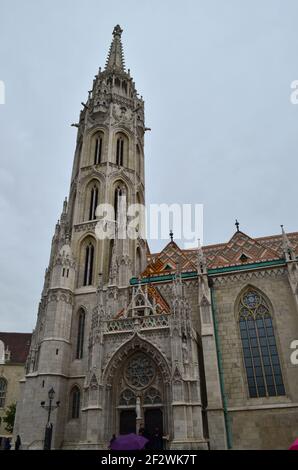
(115, 60)
(171, 235)
(117, 31)
(237, 225)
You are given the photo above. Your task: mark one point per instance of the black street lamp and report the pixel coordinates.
(49, 426)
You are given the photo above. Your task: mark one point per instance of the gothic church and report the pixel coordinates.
(196, 342)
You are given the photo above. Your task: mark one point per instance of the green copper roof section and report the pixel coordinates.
(211, 272)
(246, 267)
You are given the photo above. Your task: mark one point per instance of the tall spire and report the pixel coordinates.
(115, 59)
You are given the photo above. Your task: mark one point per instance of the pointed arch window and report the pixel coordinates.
(80, 336)
(119, 151)
(97, 150)
(263, 371)
(93, 202)
(88, 269)
(138, 261)
(118, 199)
(138, 162)
(3, 390)
(75, 402)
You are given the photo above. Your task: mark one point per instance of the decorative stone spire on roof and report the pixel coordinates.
(115, 59)
(201, 260)
(287, 246)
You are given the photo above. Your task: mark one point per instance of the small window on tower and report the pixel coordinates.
(97, 151)
(119, 151)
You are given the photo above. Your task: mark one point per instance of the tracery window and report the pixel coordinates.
(3, 389)
(260, 352)
(152, 396)
(140, 371)
(127, 398)
(75, 401)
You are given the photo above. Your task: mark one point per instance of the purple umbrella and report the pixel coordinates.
(129, 442)
(294, 446)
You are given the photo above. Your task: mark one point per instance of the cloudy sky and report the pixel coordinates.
(215, 76)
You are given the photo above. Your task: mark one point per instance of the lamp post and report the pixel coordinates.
(49, 426)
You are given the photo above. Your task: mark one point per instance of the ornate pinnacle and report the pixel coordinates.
(115, 59)
(117, 31)
(287, 246)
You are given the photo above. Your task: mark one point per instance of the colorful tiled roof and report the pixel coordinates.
(240, 249)
(171, 258)
(18, 345)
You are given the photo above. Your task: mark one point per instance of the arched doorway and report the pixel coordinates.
(139, 397)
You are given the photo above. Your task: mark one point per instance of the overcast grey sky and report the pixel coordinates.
(215, 76)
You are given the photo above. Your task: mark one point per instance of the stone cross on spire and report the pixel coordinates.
(115, 59)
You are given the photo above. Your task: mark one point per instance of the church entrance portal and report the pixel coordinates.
(140, 395)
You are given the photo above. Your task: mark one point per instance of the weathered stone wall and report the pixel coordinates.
(252, 428)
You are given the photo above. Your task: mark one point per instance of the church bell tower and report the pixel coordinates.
(108, 169)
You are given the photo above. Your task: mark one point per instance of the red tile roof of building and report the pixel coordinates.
(18, 344)
(231, 253)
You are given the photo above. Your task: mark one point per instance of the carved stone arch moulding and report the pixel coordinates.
(92, 177)
(125, 130)
(97, 129)
(135, 345)
(118, 177)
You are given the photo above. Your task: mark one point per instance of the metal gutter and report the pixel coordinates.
(211, 272)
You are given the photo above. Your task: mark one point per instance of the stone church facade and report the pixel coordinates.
(195, 342)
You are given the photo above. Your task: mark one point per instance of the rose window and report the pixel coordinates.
(140, 371)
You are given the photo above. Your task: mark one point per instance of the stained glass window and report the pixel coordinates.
(260, 353)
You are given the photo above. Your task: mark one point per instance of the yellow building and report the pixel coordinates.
(14, 348)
